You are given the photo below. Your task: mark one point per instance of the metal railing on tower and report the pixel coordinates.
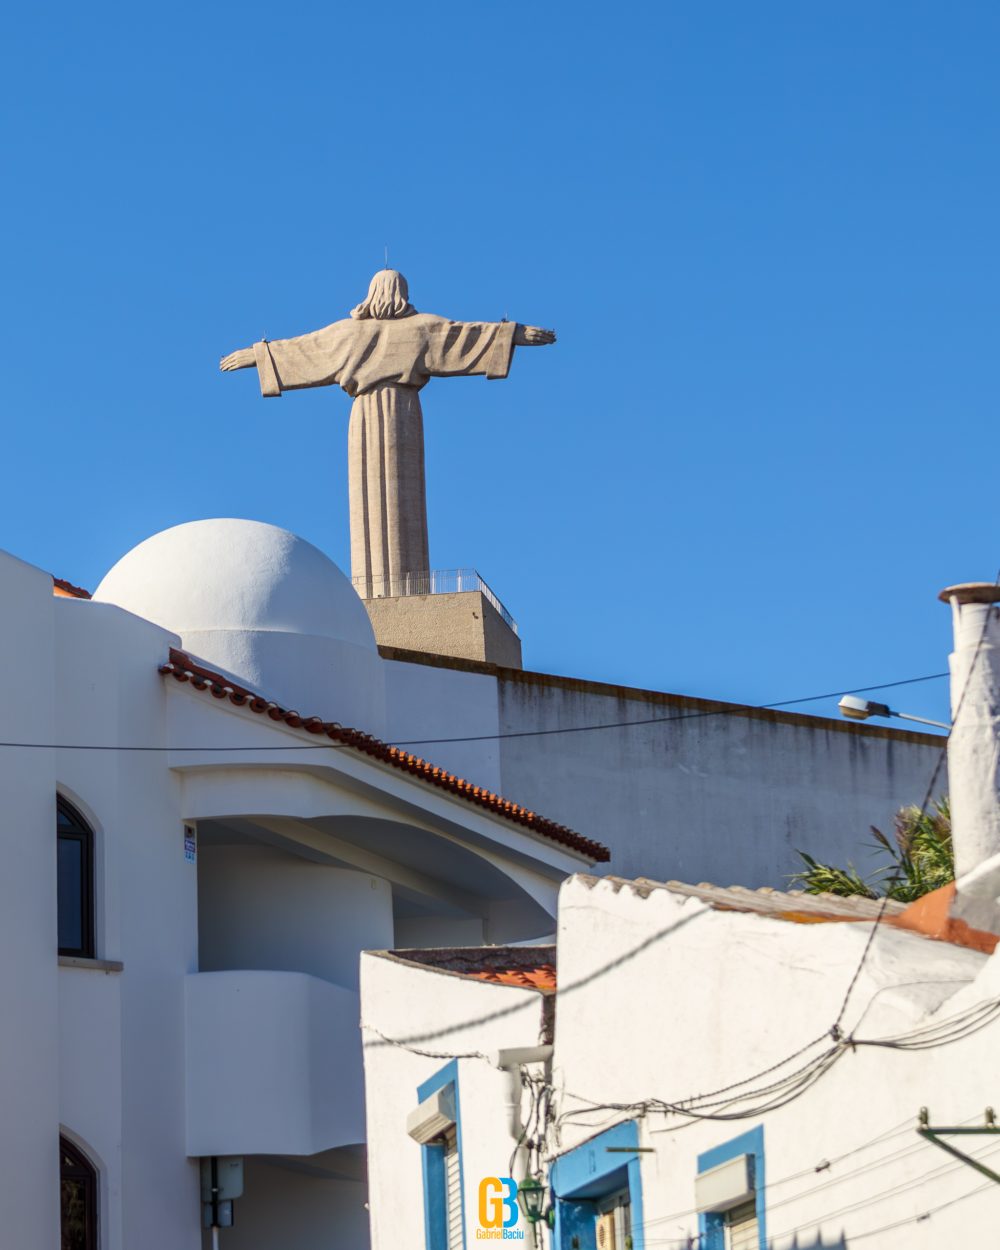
(430, 582)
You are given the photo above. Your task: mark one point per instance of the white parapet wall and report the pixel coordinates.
(680, 787)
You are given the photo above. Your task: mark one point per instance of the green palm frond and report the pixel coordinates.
(920, 858)
(819, 878)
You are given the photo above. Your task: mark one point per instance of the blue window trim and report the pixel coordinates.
(432, 1162)
(589, 1172)
(710, 1225)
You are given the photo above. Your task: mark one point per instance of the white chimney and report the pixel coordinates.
(974, 744)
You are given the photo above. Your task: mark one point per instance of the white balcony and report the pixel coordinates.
(273, 1064)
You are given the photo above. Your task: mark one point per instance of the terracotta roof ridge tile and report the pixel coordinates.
(764, 893)
(66, 590)
(184, 669)
(763, 900)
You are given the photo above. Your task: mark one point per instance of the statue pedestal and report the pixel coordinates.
(460, 623)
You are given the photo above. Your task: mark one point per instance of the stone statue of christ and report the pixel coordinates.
(381, 356)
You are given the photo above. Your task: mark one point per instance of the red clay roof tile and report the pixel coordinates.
(184, 669)
(523, 967)
(541, 978)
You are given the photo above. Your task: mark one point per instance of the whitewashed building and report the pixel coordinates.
(190, 874)
(693, 1095)
(193, 868)
(720, 1068)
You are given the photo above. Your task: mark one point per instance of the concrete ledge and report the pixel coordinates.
(95, 965)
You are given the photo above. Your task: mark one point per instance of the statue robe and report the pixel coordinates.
(383, 365)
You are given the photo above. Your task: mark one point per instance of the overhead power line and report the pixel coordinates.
(823, 1169)
(871, 1200)
(924, 1215)
(691, 1241)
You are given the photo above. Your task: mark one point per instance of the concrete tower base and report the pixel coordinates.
(462, 623)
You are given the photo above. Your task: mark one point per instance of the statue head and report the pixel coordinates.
(388, 298)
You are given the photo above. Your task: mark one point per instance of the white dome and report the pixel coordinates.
(262, 607)
(237, 575)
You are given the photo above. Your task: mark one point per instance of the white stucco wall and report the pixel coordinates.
(313, 675)
(262, 908)
(424, 703)
(29, 1056)
(448, 1015)
(116, 1029)
(273, 1064)
(290, 1208)
(90, 1081)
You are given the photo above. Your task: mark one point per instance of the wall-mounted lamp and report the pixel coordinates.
(531, 1195)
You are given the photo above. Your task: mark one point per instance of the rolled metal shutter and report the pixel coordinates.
(741, 1228)
(452, 1191)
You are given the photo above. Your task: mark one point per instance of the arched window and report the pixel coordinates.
(75, 882)
(78, 1199)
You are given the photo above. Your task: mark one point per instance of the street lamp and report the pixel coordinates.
(531, 1199)
(860, 709)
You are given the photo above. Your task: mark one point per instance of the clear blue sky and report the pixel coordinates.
(766, 234)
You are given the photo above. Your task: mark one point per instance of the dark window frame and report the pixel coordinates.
(71, 827)
(78, 1171)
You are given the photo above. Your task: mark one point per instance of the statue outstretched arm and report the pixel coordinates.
(314, 359)
(478, 347)
(242, 358)
(529, 336)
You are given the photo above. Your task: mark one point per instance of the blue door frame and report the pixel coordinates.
(581, 1177)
